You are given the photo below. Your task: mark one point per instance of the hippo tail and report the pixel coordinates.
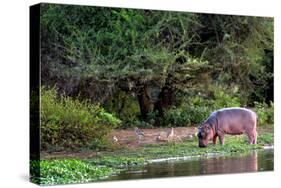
(257, 120)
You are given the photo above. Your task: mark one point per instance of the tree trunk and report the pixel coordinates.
(165, 100)
(144, 101)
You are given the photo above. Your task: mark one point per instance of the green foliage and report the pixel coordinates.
(265, 113)
(69, 123)
(179, 117)
(125, 107)
(115, 48)
(223, 100)
(198, 108)
(51, 172)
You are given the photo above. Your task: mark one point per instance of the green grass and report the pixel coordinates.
(51, 172)
(66, 171)
(190, 148)
(266, 139)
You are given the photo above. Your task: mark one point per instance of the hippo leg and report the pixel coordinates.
(249, 138)
(252, 136)
(215, 139)
(254, 139)
(221, 138)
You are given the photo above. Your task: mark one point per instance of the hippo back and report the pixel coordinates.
(236, 120)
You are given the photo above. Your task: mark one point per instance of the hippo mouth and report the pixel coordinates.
(202, 146)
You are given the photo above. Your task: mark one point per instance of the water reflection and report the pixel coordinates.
(250, 162)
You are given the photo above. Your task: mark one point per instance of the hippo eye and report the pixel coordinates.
(199, 135)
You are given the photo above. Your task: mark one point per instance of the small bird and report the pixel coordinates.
(139, 133)
(115, 139)
(190, 136)
(158, 137)
(170, 133)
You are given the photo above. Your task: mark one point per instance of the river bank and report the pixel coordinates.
(102, 165)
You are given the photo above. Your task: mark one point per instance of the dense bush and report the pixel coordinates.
(70, 123)
(198, 108)
(51, 172)
(125, 107)
(265, 113)
(178, 117)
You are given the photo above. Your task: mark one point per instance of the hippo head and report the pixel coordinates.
(205, 133)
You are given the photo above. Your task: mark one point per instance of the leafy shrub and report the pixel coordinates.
(148, 122)
(223, 100)
(50, 172)
(198, 108)
(178, 117)
(265, 113)
(125, 107)
(70, 123)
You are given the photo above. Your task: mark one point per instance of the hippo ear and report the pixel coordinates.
(207, 128)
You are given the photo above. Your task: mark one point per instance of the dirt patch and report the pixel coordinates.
(128, 138)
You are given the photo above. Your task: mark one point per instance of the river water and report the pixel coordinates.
(253, 161)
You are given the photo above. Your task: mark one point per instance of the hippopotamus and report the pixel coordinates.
(232, 121)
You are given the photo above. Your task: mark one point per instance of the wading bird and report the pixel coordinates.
(139, 133)
(170, 133)
(115, 139)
